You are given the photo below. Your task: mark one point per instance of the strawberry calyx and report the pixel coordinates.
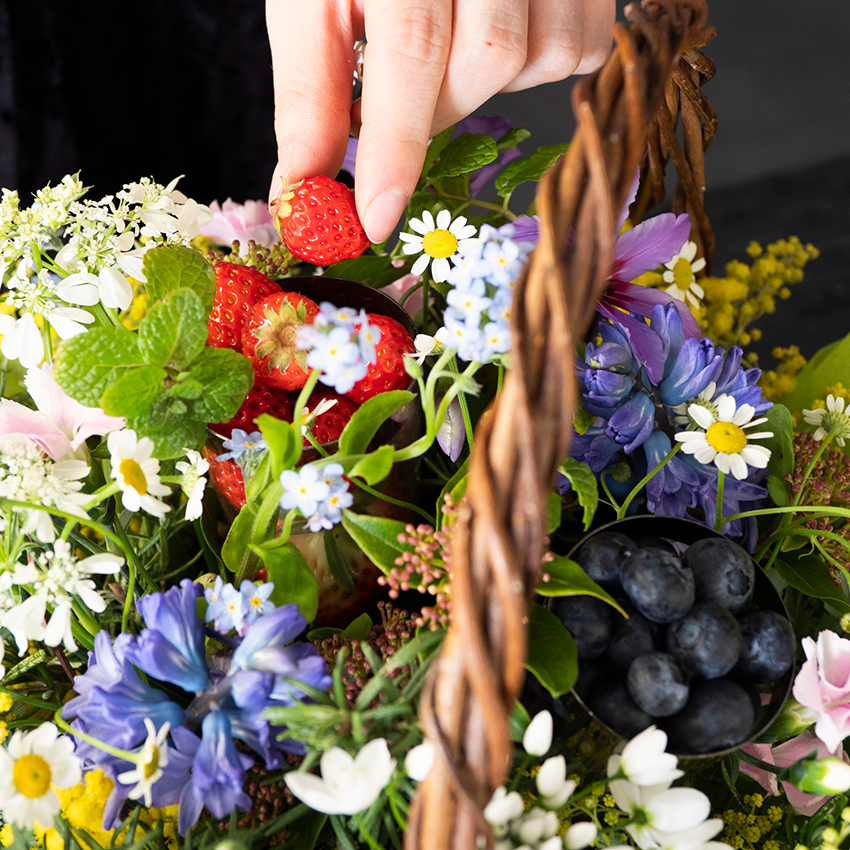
(278, 336)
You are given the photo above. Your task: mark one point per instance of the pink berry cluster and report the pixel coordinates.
(828, 485)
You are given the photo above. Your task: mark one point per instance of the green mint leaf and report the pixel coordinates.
(226, 377)
(364, 424)
(511, 139)
(810, 575)
(467, 153)
(435, 147)
(185, 388)
(172, 432)
(552, 655)
(376, 272)
(780, 444)
(377, 538)
(87, 364)
(374, 467)
(293, 580)
(172, 267)
(174, 331)
(585, 486)
(133, 393)
(284, 448)
(530, 169)
(567, 578)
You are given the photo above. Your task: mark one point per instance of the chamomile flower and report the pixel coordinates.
(721, 438)
(193, 483)
(35, 764)
(137, 472)
(148, 769)
(308, 417)
(680, 275)
(833, 419)
(438, 241)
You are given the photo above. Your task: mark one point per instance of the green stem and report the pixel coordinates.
(105, 317)
(100, 495)
(614, 503)
(721, 484)
(793, 509)
(487, 205)
(132, 569)
(811, 466)
(76, 733)
(47, 339)
(643, 482)
(89, 623)
(364, 832)
(464, 407)
(300, 402)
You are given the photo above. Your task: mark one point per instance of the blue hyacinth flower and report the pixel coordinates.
(695, 366)
(604, 392)
(632, 423)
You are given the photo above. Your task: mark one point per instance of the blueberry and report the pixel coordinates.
(768, 646)
(589, 620)
(707, 640)
(723, 572)
(615, 708)
(631, 638)
(602, 556)
(658, 684)
(658, 584)
(719, 714)
(646, 541)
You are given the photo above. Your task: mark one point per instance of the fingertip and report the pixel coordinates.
(280, 176)
(383, 212)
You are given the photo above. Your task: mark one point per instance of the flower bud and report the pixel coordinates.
(580, 835)
(820, 776)
(538, 734)
(795, 718)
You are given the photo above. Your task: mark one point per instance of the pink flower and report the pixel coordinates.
(61, 424)
(413, 305)
(785, 755)
(251, 220)
(823, 685)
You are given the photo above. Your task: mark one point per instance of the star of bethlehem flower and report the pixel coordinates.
(193, 483)
(137, 472)
(348, 785)
(679, 273)
(644, 761)
(834, 419)
(33, 766)
(152, 758)
(722, 438)
(437, 241)
(537, 737)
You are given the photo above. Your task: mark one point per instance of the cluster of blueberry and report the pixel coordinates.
(693, 649)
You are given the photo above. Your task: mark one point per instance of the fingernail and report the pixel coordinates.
(383, 213)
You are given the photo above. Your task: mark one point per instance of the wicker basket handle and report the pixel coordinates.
(498, 540)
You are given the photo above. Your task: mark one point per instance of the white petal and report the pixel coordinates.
(538, 734)
(738, 466)
(678, 808)
(440, 269)
(743, 414)
(428, 221)
(418, 226)
(115, 289)
(702, 415)
(80, 288)
(725, 408)
(551, 776)
(722, 462)
(444, 220)
(412, 247)
(757, 456)
(421, 264)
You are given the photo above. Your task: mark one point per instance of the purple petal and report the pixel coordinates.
(651, 243)
(350, 156)
(630, 199)
(645, 343)
(641, 300)
(526, 228)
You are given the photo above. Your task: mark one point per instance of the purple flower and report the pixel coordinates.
(527, 228)
(632, 423)
(594, 447)
(603, 391)
(171, 649)
(673, 489)
(695, 366)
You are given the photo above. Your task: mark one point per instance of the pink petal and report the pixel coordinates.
(17, 419)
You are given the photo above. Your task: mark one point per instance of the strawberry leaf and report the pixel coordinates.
(282, 442)
(366, 420)
(173, 267)
(467, 153)
(174, 331)
(552, 655)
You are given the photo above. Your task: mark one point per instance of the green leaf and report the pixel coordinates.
(518, 722)
(582, 419)
(282, 442)
(531, 168)
(172, 267)
(435, 148)
(171, 433)
(174, 331)
(364, 424)
(552, 653)
(87, 364)
(810, 575)
(584, 484)
(226, 377)
(375, 466)
(511, 139)
(468, 152)
(567, 578)
(377, 537)
(303, 832)
(455, 485)
(359, 629)
(829, 366)
(337, 563)
(778, 490)
(294, 581)
(376, 272)
(133, 393)
(553, 513)
(780, 444)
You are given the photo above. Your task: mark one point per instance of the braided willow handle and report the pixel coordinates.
(497, 543)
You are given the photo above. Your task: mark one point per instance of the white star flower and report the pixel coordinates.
(833, 418)
(153, 756)
(722, 438)
(137, 472)
(193, 483)
(438, 241)
(680, 274)
(644, 760)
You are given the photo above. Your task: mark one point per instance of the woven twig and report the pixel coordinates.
(498, 538)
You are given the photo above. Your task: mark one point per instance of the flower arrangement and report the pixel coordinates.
(220, 598)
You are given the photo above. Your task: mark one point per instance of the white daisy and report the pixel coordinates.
(151, 759)
(137, 472)
(193, 483)
(680, 273)
(34, 764)
(308, 417)
(722, 439)
(833, 419)
(438, 241)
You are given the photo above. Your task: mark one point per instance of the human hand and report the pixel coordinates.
(430, 63)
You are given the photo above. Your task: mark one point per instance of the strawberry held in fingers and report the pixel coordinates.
(387, 371)
(317, 220)
(237, 289)
(270, 339)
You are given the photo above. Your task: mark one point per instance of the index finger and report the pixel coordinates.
(312, 44)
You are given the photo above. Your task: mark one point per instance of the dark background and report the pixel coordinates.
(120, 90)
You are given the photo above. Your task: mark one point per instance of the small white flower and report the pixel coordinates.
(723, 439)
(347, 785)
(193, 483)
(833, 418)
(424, 346)
(680, 274)
(148, 769)
(419, 760)
(21, 340)
(33, 766)
(308, 417)
(579, 835)
(503, 807)
(438, 241)
(644, 760)
(538, 734)
(137, 472)
(552, 783)
(534, 826)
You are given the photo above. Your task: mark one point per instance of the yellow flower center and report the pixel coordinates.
(152, 764)
(256, 601)
(439, 243)
(726, 437)
(134, 476)
(683, 274)
(32, 776)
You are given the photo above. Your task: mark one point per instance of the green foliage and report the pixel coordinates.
(172, 267)
(529, 169)
(552, 655)
(293, 579)
(831, 365)
(364, 424)
(465, 154)
(781, 444)
(584, 485)
(809, 574)
(377, 537)
(567, 578)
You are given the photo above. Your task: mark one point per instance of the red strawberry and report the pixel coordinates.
(261, 399)
(388, 372)
(270, 339)
(227, 478)
(318, 221)
(329, 424)
(237, 289)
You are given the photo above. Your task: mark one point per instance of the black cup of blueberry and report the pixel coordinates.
(707, 651)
